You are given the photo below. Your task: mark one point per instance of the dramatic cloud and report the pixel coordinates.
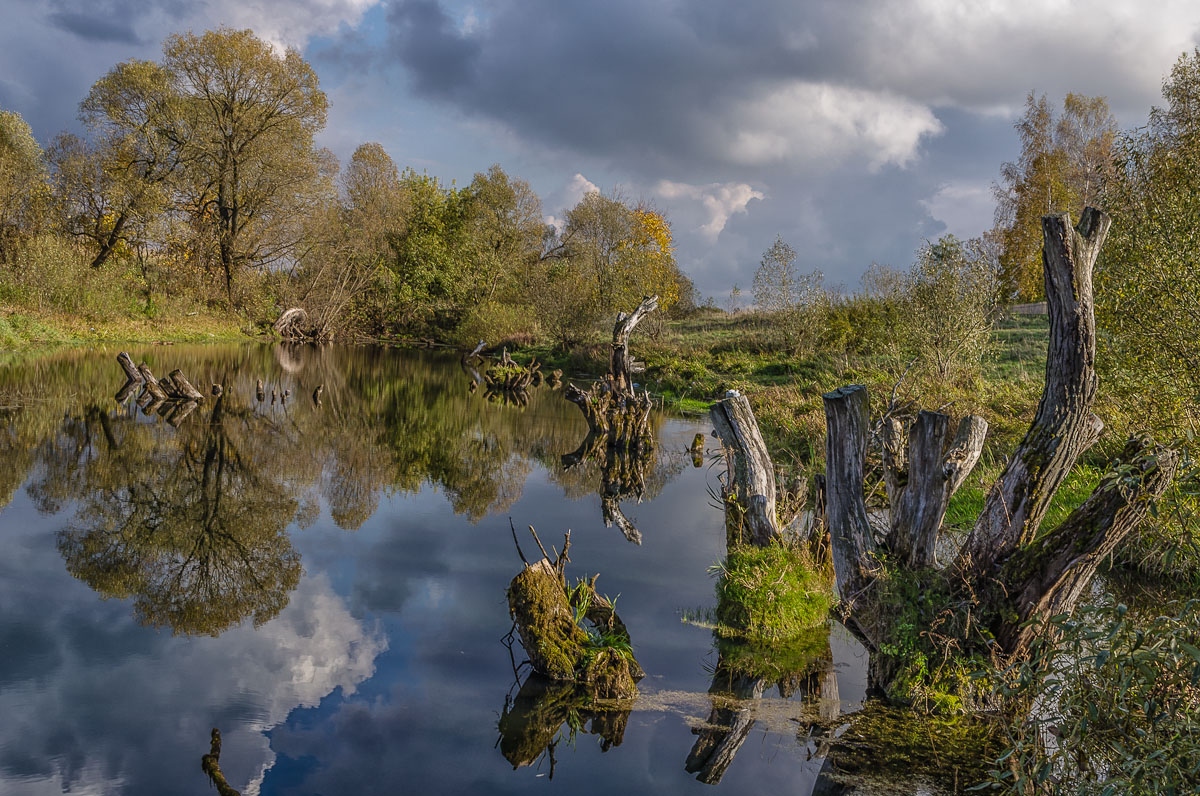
(830, 110)
(719, 202)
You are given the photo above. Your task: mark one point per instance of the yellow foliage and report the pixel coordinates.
(655, 252)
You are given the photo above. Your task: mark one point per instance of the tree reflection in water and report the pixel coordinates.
(804, 668)
(195, 533)
(533, 722)
(625, 474)
(191, 522)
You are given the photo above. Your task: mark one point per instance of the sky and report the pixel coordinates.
(853, 129)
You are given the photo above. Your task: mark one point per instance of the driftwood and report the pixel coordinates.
(293, 326)
(612, 406)
(173, 397)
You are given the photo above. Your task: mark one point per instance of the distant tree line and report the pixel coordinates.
(198, 177)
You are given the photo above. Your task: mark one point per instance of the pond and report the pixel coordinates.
(322, 577)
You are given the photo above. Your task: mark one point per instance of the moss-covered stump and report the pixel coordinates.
(596, 656)
(552, 638)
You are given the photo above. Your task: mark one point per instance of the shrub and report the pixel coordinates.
(1107, 704)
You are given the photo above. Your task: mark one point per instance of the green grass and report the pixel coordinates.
(968, 501)
(771, 594)
(1018, 348)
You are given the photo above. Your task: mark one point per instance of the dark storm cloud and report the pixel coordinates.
(89, 26)
(424, 37)
(679, 87)
(111, 21)
(670, 88)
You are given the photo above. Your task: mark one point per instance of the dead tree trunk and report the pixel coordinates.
(750, 515)
(620, 363)
(921, 477)
(612, 407)
(1049, 575)
(1021, 575)
(853, 546)
(1064, 426)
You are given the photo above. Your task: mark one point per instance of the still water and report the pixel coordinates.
(325, 583)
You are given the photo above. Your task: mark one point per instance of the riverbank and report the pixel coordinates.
(22, 329)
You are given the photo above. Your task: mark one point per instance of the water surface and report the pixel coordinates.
(325, 583)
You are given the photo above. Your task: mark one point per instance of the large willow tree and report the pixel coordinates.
(224, 124)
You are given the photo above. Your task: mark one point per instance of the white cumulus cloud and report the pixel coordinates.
(822, 125)
(719, 200)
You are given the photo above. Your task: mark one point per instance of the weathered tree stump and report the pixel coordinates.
(183, 389)
(510, 378)
(131, 371)
(1009, 568)
(1063, 426)
(852, 542)
(750, 484)
(1019, 572)
(612, 406)
(922, 471)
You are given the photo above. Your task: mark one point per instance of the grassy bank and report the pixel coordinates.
(22, 330)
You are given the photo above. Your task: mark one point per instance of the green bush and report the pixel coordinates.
(1106, 704)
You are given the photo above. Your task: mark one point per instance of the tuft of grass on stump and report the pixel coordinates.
(772, 594)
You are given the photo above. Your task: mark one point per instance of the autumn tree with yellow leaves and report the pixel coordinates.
(608, 256)
(1065, 160)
